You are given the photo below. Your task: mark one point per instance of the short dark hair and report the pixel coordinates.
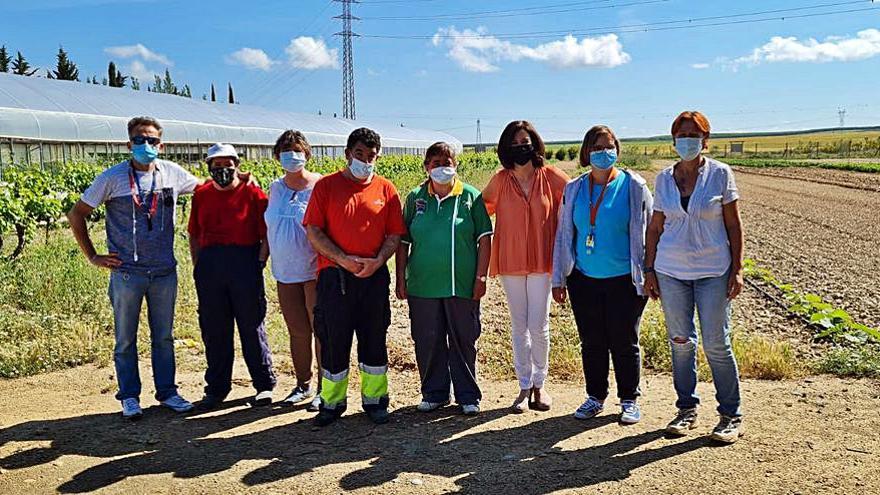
(439, 149)
(590, 140)
(505, 143)
(141, 121)
(367, 137)
(290, 138)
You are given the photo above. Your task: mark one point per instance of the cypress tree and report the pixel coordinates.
(65, 69)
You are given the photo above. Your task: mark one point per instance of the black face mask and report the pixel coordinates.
(223, 176)
(522, 153)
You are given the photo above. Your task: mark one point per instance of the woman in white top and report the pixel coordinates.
(294, 262)
(693, 257)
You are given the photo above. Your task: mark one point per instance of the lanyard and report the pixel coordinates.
(138, 198)
(594, 209)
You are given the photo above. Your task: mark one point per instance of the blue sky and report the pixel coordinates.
(774, 75)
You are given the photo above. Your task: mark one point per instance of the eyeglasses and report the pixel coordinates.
(139, 140)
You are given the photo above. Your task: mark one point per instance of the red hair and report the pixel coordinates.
(697, 118)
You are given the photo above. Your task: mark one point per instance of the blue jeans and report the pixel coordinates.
(678, 298)
(127, 292)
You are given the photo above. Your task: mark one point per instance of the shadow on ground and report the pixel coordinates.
(441, 444)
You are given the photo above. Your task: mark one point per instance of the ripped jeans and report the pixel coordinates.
(709, 296)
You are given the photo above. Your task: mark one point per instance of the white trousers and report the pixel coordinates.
(528, 297)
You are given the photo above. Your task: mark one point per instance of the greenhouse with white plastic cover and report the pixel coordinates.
(49, 121)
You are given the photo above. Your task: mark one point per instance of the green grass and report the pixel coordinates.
(867, 167)
(861, 362)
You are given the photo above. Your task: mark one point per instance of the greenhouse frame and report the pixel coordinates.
(48, 121)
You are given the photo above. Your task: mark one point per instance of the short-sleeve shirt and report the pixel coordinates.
(357, 217)
(140, 249)
(443, 235)
(293, 258)
(694, 243)
(228, 218)
(610, 255)
(525, 226)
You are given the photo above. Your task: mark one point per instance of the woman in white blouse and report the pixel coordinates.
(693, 258)
(294, 262)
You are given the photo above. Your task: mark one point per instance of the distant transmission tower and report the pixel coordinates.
(841, 112)
(479, 138)
(347, 62)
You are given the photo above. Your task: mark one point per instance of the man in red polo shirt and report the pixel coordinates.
(229, 250)
(354, 221)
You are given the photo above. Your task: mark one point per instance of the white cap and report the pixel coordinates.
(221, 149)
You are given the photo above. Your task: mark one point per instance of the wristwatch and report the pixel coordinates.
(483, 279)
(649, 269)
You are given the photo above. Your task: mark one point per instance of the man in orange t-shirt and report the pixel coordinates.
(354, 221)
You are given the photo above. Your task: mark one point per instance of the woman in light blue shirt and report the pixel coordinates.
(598, 260)
(694, 258)
(294, 262)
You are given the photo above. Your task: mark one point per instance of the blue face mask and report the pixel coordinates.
(603, 159)
(293, 161)
(688, 148)
(361, 170)
(144, 153)
(443, 175)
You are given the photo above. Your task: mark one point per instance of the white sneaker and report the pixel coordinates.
(470, 409)
(315, 406)
(299, 394)
(177, 404)
(425, 406)
(131, 409)
(263, 398)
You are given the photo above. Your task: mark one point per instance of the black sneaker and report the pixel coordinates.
(684, 421)
(728, 430)
(326, 417)
(378, 416)
(209, 403)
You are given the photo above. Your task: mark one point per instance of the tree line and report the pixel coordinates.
(67, 70)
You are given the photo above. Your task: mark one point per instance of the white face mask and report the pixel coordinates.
(293, 161)
(361, 170)
(688, 148)
(443, 175)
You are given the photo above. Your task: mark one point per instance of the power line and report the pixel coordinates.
(689, 23)
(543, 10)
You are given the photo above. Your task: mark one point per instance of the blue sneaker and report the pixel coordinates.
(589, 409)
(177, 404)
(630, 413)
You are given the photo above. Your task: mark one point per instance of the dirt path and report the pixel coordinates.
(61, 431)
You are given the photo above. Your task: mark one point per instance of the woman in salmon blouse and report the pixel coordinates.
(525, 197)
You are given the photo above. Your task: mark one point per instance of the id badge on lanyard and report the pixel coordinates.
(590, 243)
(138, 201)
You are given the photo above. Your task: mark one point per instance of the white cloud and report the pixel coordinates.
(700, 66)
(478, 51)
(138, 51)
(251, 58)
(141, 72)
(309, 53)
(864, 45)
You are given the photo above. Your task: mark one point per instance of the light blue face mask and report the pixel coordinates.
(145, 153)
(293, 161)
(603, 159)
(443, 175)
(688, 148)
(361, 170)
